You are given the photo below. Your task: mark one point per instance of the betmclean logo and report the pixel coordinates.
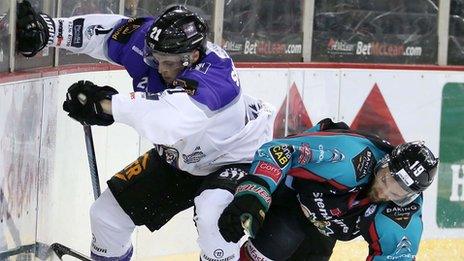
(341, 46)
(457, 183)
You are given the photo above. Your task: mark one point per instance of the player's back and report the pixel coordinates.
(332, 184)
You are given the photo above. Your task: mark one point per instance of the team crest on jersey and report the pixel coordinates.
(193, 157)
(171, 155)
(401, 215)
(370, 210)
(364, 163)
(281, 154)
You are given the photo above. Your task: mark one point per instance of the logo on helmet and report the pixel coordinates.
(189, 29)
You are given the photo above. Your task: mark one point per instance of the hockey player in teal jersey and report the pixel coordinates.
(331, 183)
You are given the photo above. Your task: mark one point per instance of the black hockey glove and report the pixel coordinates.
(246, 211)
(33, 31)
(83, 103)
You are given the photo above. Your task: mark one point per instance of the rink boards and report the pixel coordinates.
(46, 189)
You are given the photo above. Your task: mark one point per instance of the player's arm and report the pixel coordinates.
(253, 195)
(87, 34)
(395, 233)
(271, 163)
(162, 118)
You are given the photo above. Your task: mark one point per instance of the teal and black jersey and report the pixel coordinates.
(331, 172)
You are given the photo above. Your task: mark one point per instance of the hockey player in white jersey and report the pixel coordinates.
(187, 101)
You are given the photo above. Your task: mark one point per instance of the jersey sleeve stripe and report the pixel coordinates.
(309, 175)
(374, 244)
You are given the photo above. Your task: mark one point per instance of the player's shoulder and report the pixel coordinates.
(346, 158)
(126, 43)
(391, 218)
(215, 52)
(351, 143)
(216, 80)
(130, 27)
(395, 230)
(215, 62)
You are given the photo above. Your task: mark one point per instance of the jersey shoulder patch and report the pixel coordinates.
(124, 32)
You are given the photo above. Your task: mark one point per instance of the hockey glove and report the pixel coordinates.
(33, 31)
(83, 103)
(246, 211)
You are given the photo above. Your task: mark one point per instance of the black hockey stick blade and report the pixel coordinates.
(43, 252)
(61, 250)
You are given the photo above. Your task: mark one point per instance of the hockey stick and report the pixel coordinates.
(92, 161)
(43, 252)
(59, 249)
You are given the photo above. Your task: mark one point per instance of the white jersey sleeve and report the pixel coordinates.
(163, 119)
(87, 34)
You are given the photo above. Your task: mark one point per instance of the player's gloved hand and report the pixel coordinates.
(246, 211)
(83, 103)
(33, 30)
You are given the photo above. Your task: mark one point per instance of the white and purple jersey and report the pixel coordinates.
(195, 132)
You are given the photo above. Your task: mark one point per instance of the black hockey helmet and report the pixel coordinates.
(414, 165)
(178, 30)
